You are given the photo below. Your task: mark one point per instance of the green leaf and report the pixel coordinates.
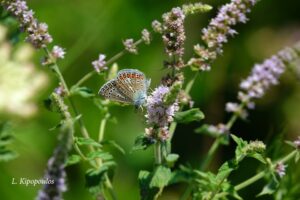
(270, 188)
(7, 155)
(171, 159)
(239, 141)
(187, 116)
(86, 141)
(225, 170)
(146, 192)
(85, 92)
(94, 179)
(109, 164)
(292, 144)
(142, 142)
(6, 137)
(239, 151)
(113, 144)
(258, 157)
(105, 156)
(73, 159)
(161, 177)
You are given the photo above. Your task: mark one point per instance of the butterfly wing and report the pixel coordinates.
(131, 81)
(110, 91)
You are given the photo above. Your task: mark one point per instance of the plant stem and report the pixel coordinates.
(85, 78)
(250, 181)
(214, 147)
(261, 174)
(102, 128)
(157, 153)
(83, 129)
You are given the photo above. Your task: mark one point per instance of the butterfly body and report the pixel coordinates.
(130, 86)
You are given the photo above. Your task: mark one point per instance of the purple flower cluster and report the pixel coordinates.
(280, 169)
(60, 90)
(58, 52)
(173, 32)
(146, 36)
(159, 114)
(156, 26)
(100, 64)
(55, 168)
(262, 77)
(130, 46)
(220, 129)
(38, 34)
(218, 30)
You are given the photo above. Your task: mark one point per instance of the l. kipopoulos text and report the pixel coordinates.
(31, 182)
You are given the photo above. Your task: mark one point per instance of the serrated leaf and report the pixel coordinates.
(7, 155)
(239, 141)
(161, 177)
(270, 188)
(225, 170)
(109, 164)
(239, 153)
(188, 116)
(113, 144)
(86, 141)
(94, 177)
(258, 157)
(142, 142)
(73, 159)
(105, 156)
(6, 137)
(85, 92)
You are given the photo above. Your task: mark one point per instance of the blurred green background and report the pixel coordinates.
(87, 28)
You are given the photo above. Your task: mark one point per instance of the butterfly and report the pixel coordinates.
(130, 86)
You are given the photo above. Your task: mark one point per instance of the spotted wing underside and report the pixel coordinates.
(130, 81)
(110, 91)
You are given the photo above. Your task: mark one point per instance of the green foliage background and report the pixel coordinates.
(87, 28)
